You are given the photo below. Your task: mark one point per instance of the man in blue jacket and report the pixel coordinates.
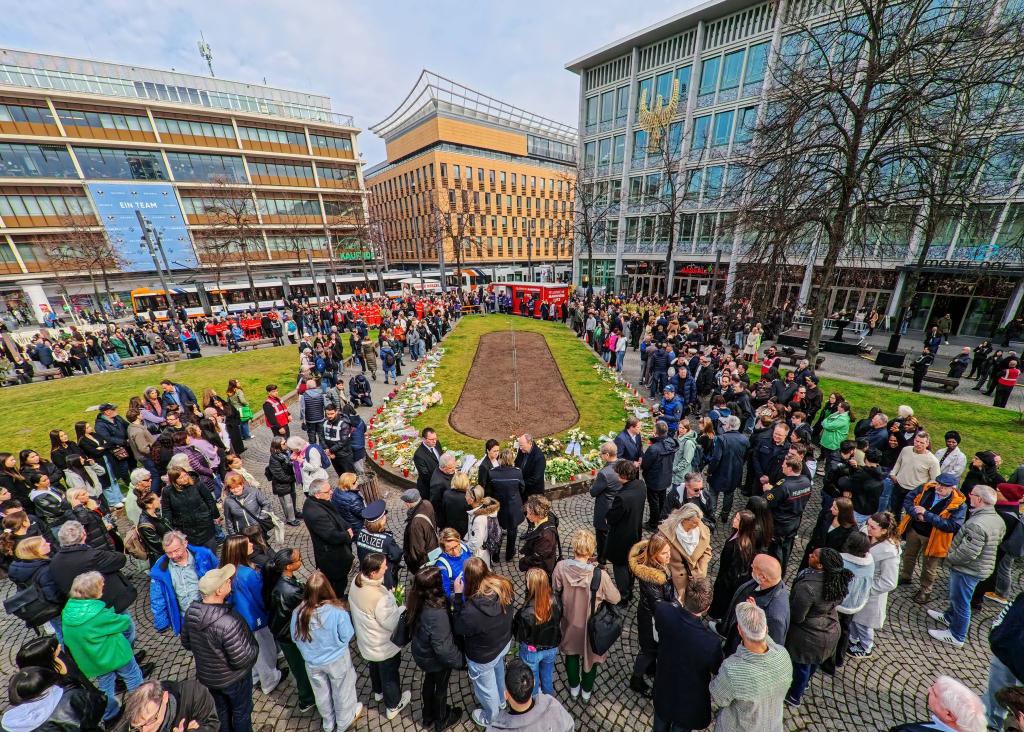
(670, 408)
(1006, 639)
(627, 443)
(180, 396)
(725, 466)
(174, 580)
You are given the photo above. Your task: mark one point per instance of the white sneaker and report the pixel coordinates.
(378, 697)
(574, 691)
(392, 713)
(586, 697)
(938, 617)
(478, 717)
(946, 637)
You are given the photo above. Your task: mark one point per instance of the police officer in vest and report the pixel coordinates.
(375, 537)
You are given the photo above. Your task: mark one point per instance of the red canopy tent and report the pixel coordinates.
(537, 293)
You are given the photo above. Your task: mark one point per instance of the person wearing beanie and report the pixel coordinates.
(983, 470)
(951, 458)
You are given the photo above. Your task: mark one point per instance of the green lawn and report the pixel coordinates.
(981, 427)
(600, 409)
(31, 411)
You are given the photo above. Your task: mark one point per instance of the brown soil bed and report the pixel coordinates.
(507, 365)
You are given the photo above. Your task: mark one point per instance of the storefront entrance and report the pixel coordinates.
(974, 302)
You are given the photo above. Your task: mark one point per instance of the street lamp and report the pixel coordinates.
(151, 238)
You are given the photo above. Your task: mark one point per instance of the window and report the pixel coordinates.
(723, 128)
(618, 153)
(675, 138)
(731, 70)
(663, 87)
(683, 77)
(340, 174)
(501, 177)
(607, 106)
(444, 170)
(35, 161)
(480, 176)
(457, 172)
(328, 142)
(272, 169)
(195, 129)
(621, 103)
(709, 74)
(757, 59)
(643, 93)
(591, 110)
(101, 162)
(639, 145)
(103, 120)
(693, 181)
(590, 154)
(289, 206)
(700, 132)
(604, 153)
(334, 207)
(21, 113)
(745, 126)
(713, 189)
(268, 135)
(192, 166)
(42, 205)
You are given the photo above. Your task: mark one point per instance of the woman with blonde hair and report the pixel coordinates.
(689, 542)
(538, 630)
(31, 566)
(349, 501)
(322, 630)
(648, 561)
(571, 581)
(452, 559)
(482, 511)
(453, 504)
(483, 618)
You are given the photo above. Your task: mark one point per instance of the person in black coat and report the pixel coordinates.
(440, 482)
(492, 449)
(648, 561)
(920, 367)
(75, 557)
(625, 525)
(725, 465)
(689, 655)
(531, 461)
(189, 507)
(603, 489)
(656, 466)
(433, 646)
(426, 459)
(734, 562)
(112, 429)
(331, 536)
(454, 506)
(507, 484)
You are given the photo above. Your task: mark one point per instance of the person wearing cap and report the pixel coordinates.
(983, 470)
(971, 558)
(112, 429)
(935, 511)
(375, 537)
(420, 536)
(951, 458)
(224, 648)
(670, 408)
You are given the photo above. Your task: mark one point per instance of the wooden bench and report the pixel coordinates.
(947, 383)
(796, 358)
(255, 343)
(40, 375)
(171, 356)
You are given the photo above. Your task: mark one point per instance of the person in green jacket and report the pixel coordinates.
(834, 430)
(100, 640)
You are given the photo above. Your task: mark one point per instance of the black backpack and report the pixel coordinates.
(30, 605)
(389, 358)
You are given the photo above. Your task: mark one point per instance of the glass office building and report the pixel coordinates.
(718, 54)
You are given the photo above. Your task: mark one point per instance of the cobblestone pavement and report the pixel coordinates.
(865, 694)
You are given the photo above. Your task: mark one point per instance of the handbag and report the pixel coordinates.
(401, 636)
(245, 413)
(604, 626)
(31, 606)
(266, 523)
(119, 453)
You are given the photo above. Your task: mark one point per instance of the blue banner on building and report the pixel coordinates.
(117, 203)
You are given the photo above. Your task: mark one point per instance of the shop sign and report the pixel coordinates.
(701, 270)
(964, 264)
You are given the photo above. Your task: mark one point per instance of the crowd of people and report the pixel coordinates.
(725, 639)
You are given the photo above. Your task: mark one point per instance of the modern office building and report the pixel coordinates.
(501, 178)
(718, 52)
(85, 144)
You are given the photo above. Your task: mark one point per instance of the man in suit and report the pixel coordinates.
(625, 519)
(603, 489)
(426, 459)
(531, 462)
(332, 537)
(628, 443)
(441, 481)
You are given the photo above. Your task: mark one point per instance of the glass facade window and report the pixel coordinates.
(118, 164)
(731, 70)
(604, 152)
(15, 206)
(340, 208)
(709, 74)
(289, 206)
(618, 152)
(644, 92)
(35, 161)
(700, 132)
(746, 124)
(268, 169)
(621, 103)
(639, 145)
(663, 87)
(329, 172)
(103, 120)
(592, 109)
(265, 134)
(328, 142)
(683, 77)
(694, 178)
(198, 206)
(198, 167)
(757, 60)
(607, 106)
(195, 129)
(22, 113)
(713, 187)
(722, 128)
(589, 154)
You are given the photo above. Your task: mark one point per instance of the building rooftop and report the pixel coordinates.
(710, 10)
(83, 76)
(434, 94)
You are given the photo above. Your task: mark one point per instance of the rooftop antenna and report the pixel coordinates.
(206, 52)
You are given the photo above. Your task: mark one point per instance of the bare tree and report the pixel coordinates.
(85, 249)
(841, 92)
(455, 220)
(595, 205)
(216, 255)
(231, 214)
